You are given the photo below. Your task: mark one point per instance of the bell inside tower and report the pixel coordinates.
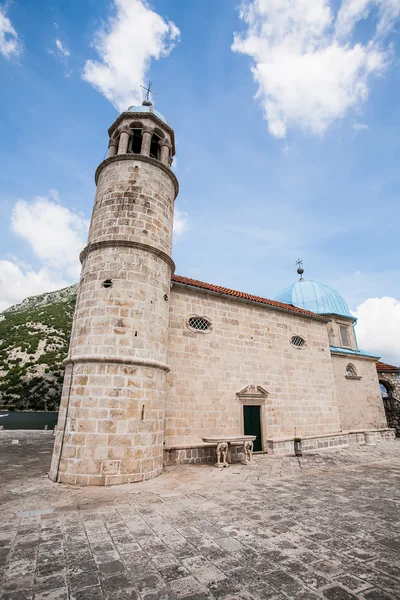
(154, 146)
(135, 141)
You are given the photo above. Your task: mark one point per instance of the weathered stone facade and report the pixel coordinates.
(247, 345)
(359, 398)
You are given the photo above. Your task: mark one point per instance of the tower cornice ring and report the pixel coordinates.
(135, 361)
(127, 244)
(140, 158)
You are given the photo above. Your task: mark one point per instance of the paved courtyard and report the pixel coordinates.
(326, 525)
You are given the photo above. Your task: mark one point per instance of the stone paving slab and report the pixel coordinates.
(326, 525)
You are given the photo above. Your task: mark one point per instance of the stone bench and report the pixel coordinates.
(223, 447)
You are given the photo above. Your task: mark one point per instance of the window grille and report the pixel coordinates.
(298, 341)
(199, 324)
(350, 371)
(344, 334)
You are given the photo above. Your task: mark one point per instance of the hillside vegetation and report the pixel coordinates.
(34, 337)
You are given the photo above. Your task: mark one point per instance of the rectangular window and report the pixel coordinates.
(344, 334)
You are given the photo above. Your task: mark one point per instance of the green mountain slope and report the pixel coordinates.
(34, 337)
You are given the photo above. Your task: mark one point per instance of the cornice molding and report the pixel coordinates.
(127, 244)
(122, 360)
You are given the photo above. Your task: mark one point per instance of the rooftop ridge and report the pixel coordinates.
(244, 296)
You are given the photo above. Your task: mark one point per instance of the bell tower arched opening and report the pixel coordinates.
(135, 141)
(154, 146)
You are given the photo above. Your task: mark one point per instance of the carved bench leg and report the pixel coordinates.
(222, 452)
(248, 449)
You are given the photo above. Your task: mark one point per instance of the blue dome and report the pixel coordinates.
(315, 297)
(143, 109)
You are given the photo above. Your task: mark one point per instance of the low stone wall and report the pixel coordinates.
(198, 455)
(338, 440)
(205, 453)
(24, 436)
(356, 437)
(282, 447)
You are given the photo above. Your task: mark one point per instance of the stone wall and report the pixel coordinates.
(392, 409)
(248, 345)
(204, 454)
(24, 436)
(392, 403)
(359, 398)
(335, 338)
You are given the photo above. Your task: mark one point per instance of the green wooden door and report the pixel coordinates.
(252, 424)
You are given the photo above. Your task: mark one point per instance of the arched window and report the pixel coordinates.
(154, 147)
(386, 390)
(135, 141)
(351, 371)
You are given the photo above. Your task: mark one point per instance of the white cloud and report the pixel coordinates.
(61, 53)
(10, 44)
(133, 36)
(378, 327)
(181, 222)
(352, 11)
(307, 68)
(55, 234)
(62, 49)
(17, 282)
(359, 126)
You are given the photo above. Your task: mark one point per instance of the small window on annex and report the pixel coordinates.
(344, 336)
(351, 371)
(135, 141)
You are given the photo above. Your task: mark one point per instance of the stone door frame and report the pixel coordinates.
(254, 395)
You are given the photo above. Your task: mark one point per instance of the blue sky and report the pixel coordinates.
(309, 168)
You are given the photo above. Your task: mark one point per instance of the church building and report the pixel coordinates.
(158, 361)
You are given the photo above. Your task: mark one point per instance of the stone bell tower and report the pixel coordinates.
(111, 422)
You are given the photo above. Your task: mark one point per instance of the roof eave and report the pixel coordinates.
(304, 315)
(353, 353)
